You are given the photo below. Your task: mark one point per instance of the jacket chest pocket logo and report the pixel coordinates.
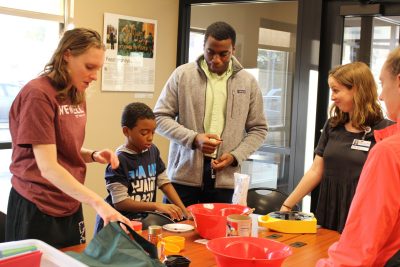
(239, 102)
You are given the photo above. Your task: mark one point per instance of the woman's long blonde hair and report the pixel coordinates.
(77, 42)
(367, 111)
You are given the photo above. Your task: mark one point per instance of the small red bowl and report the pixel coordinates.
(210, 218)
(248, 251)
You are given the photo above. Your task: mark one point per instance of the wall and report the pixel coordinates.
(245, 18)
(104, 108)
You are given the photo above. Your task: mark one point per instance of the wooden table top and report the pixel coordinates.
(315, 247)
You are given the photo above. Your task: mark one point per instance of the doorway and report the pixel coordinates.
(352, 31)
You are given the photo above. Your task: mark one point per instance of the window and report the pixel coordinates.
(30, 32)
(384, 38)
(43, 6)
(351, 39)
(275, 66)
(196, 43)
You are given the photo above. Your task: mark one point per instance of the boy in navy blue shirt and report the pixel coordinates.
(133, 185)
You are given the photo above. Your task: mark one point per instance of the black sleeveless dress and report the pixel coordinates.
(342, 169)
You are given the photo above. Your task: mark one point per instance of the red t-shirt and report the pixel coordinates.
(372, 232)
(37, 117)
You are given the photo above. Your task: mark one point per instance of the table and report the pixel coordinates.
(316, 247)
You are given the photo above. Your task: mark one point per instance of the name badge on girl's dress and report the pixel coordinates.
(361, 145)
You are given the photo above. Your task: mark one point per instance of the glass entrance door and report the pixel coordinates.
(377, 35)
(353, 32)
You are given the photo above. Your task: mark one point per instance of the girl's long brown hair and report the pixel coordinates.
(367, 111)
(77, 41)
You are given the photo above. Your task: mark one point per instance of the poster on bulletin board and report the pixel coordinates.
(130, 54)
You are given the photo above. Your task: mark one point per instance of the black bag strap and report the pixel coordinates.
(147, 246)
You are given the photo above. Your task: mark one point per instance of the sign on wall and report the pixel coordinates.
(130, 55)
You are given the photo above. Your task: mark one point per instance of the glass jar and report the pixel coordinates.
(155, 234)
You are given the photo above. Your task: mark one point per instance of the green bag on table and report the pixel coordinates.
(111, 246)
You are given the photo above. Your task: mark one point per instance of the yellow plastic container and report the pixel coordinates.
(303, 226)
(175, 239)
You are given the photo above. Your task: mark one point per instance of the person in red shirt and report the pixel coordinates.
(47, 125)
(371, 236)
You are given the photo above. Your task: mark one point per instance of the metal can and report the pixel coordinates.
(155, 234)
(238, 225)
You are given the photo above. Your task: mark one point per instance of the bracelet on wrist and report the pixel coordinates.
(286, 206)
(92, 155)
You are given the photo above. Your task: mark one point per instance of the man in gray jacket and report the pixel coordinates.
(212, 112)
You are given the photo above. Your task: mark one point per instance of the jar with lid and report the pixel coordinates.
(155, 234)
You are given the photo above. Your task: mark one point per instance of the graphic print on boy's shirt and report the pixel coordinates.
(144, 185)
(137, 176)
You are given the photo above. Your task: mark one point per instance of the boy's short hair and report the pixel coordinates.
(220, 31)
(134, 112)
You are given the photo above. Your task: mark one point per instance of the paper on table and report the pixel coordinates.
(201, 241)
(242, 182)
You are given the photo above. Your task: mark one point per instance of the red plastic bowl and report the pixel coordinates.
(210, 218)
(248, 251)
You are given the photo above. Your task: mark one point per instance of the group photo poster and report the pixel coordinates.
(130, 54)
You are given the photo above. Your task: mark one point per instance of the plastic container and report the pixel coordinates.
(175, 239)
(31, 259)
(248, 251)
(210, 219)
(51, 256)
(137, 226)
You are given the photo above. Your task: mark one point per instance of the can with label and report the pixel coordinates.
(155, 234)
(238, 225)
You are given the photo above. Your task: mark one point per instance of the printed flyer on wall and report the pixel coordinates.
(130, 55)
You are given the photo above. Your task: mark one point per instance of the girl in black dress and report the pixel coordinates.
(344, 144)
